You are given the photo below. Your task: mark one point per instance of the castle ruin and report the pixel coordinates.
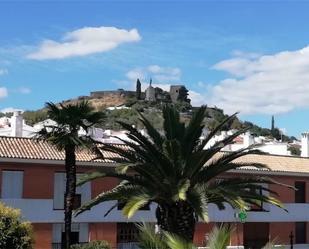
(176, 94)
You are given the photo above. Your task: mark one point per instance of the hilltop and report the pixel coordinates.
(122, 105)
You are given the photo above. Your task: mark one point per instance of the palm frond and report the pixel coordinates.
(216, 130)
(173, 128)
(193, 132)
(148, 239)
(176, 242)
(219, 238)
(123, 192)
(135, 203)
(152, 132)
(199, 203)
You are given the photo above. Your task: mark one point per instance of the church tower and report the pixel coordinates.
(150, 93)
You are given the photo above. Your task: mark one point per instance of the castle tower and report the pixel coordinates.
(179, 93)
(150, 93)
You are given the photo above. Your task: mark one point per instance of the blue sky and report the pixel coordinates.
(247, 56)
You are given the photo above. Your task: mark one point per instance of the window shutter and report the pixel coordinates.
(59, 190)
(12, 184)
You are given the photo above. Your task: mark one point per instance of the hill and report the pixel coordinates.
(129, 102)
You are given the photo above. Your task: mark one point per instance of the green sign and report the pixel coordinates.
(242, 215)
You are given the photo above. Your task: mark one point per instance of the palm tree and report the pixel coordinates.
(65, 136)
(174, 170)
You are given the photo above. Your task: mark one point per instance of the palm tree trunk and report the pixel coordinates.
(178, 218)
(70, 190)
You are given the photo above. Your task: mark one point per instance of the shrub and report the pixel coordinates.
(14, 232)
(95, 244)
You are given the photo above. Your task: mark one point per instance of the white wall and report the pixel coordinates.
(46, 213)
(59, 190)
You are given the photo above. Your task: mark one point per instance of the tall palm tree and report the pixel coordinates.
(65, 136)
(174, 170)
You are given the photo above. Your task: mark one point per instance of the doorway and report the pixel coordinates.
(256, 235)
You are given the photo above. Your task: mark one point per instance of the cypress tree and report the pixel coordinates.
(138, 89)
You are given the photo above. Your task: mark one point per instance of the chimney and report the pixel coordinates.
(248, 139)
(17, 124)
(305, 144)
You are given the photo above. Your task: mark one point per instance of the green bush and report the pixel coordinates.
(95, 244)
(14, 232)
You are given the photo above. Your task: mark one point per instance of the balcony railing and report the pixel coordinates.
(131, 245)
(58, 245)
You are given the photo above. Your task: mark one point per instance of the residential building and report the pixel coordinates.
(270, 146)
(15, 126)
(32, 179)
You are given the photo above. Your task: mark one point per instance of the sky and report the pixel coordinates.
(246, 56)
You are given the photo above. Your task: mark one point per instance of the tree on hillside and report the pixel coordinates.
(70, 119)
(14, 232)
(183, 94)
(173, 170)
(32, 117)
(138, 90)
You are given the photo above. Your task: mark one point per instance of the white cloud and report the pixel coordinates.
(85, 41)
(197, 99)
(3, 71)
(10, 109)
(135, 74)
(3, 92)
(157, 73)
(265, 84)
(162, 77)
(243, 54)
(24, 90)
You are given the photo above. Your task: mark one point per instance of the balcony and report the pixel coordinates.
(131, 245)
(58, 245)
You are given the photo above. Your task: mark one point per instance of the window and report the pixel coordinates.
(300, 192)
(12, 184)
(59, 189)
(74, 238)
(300, 233)
(127, 232)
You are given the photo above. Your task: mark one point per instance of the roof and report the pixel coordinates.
(26, 148)
(277, 163)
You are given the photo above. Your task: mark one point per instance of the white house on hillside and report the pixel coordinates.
(15, 126)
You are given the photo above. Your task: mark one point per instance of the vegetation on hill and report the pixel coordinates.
(33, 117)
(152, 110)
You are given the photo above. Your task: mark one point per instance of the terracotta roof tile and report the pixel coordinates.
(26, 148)
(278, 163)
